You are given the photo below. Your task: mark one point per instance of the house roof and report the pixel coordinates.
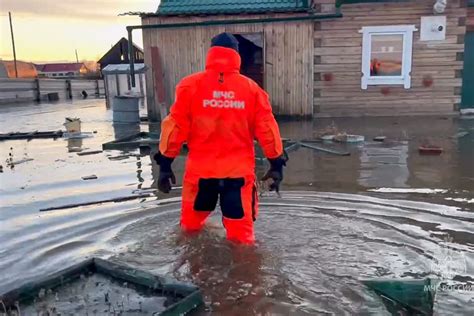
(196, 7)
(123, 42)
(60, 67)
(25, 69)
(123, 69)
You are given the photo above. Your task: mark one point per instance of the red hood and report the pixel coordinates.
(223, 59)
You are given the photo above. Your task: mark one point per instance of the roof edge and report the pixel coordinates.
(299, 6)
(194, 14)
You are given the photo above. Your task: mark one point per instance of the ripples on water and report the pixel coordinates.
(312, 250)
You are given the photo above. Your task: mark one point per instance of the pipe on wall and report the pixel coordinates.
(130, 29)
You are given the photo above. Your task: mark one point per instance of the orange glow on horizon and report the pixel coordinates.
(49, 37)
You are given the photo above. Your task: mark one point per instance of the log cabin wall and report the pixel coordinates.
(338, 54)
(470, 17)
(288, 59)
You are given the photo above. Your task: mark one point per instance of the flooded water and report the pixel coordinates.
(384, 212)
(96, 295)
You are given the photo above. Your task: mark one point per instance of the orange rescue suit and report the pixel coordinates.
(219, 113)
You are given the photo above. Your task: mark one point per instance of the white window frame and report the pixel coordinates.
(405, 78)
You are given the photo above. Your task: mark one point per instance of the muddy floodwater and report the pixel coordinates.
(385, 211)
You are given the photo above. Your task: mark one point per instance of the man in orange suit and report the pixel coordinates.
(219, 113)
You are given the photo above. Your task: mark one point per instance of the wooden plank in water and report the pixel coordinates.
(326, 150)
(91, 152)
(30, 135)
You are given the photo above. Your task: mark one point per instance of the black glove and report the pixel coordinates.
(166, 174)
(276, 172)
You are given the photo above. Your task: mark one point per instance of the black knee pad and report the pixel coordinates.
(208, 192)
(231, 198)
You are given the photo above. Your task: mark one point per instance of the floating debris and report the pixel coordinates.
(380, 138)
(31, 135)
(91, 177)
(328, 132)
(91, 152)
(13, 163)
(77, 135)
(348, 138)
(328, 138)
(133, 141)
(73, 125)
(144, 190)
(326, 150)
(291, 146)
(409, 190)
(430, 150)
(121, 157)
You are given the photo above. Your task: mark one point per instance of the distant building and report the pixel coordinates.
(3, 71)
(25, 70)
(62, 70)
(118, 54)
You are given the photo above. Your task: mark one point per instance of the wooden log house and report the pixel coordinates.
(324, 58)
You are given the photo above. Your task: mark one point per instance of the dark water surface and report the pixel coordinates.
(385, 211)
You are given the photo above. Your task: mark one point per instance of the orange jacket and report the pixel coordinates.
(219, 113)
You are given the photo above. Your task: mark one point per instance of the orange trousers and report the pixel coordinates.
(237, 198)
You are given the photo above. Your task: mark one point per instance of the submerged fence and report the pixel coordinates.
(27, 90)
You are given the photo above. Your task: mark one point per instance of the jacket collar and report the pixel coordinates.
(223, 59)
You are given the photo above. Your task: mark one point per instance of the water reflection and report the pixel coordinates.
(74, 144)
(384, 165)
(123, 130)
(465, 144)
(394, 163)
(230, 275)
(139, 173)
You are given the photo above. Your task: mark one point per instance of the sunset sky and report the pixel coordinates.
(51, 30)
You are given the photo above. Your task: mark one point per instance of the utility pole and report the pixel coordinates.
(77, 57)
(13, 44)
